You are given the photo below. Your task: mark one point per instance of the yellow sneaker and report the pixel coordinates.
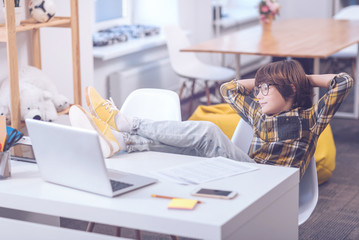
(101, 108)
(82, 119)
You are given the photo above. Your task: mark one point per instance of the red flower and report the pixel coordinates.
(265, 9)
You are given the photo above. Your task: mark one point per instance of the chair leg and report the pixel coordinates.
(354, 68)
(181, 90)
(118, 231)
(138, 234)
(218, 88)
(207, 93)
(90, 227)
(192, 95)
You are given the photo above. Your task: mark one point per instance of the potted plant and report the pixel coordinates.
(268, 9)
(18, 11)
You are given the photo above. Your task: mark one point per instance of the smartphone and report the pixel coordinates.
(214, 193)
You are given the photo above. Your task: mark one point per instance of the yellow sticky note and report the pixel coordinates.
(181, 203)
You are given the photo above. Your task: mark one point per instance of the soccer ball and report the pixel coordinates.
(42, 10)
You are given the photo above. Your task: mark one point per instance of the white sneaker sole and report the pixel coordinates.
(79, 118)
(89, 102)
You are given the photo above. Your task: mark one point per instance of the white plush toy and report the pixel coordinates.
(31, 99)
(48, 111)
(39, 98)
(34, 102)
(4, 108)
(41, 80)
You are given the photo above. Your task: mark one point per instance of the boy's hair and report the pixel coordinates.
(286, 74)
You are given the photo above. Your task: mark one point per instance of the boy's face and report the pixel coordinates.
(273, 102)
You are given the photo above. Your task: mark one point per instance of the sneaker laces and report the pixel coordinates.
(109, 104)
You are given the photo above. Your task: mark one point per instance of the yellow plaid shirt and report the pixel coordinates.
(288, 138)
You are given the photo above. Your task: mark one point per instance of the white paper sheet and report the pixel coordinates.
(205, 171)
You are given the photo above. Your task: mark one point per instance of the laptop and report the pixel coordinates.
(72, 157)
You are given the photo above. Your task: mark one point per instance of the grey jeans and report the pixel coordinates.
(196, 138)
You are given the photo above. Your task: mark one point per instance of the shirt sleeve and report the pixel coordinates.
(323, 111)
(238, 97)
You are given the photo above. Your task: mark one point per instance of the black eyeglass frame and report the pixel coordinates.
(264, 91)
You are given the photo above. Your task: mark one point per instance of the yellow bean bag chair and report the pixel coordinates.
(227, 119)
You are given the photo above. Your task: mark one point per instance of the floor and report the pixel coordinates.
(336, 215)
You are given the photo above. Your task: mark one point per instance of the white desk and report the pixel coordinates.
(266, 208)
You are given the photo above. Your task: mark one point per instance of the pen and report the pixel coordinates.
(167, 197)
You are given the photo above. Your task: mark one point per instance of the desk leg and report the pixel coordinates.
(238, 66)
(223, 60)
(355, 113)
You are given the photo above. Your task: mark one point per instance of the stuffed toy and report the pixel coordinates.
(39, 98)
(48, 111)
(41, 80)
(34, 102)
(4, 108)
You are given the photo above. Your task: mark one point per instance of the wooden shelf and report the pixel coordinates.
(31, 24)
(8, 34)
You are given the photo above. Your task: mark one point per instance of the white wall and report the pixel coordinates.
(306, 9)
(196, 17)
(57, 50)
(155, 12)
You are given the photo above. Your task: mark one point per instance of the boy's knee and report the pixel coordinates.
(211, 128)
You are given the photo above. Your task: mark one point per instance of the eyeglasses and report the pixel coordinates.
(264, 88)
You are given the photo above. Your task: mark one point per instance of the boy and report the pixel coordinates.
(286, 124)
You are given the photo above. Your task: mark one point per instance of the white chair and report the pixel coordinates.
(187, 65)
(242, 136)
(152, 103)
(308, 185)
(308, 192)
(349, 53)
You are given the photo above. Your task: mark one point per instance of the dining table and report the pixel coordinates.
(315, 38)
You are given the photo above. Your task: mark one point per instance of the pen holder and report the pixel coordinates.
(5, 171)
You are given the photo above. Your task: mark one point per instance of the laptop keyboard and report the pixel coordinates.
(116, 185)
